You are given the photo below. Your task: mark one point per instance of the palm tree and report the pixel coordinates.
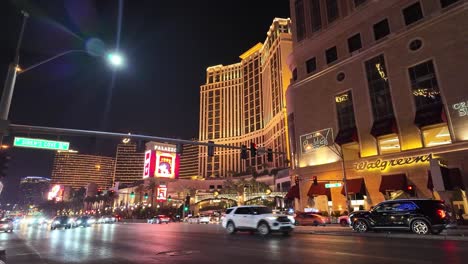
(152, 184)
(139, 189)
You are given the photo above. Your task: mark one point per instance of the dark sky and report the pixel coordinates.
(167, 44)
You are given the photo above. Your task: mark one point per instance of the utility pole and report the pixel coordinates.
(339, 153)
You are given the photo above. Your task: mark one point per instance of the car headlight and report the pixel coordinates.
(272, 218)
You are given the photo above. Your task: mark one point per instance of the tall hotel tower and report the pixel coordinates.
(244, 103)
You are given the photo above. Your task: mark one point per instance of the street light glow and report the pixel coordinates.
(115, 59)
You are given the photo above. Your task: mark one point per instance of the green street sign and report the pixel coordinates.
(333, 185)
(40, 143)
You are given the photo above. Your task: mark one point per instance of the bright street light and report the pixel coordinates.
(115, 59)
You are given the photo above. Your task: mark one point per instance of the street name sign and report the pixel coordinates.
(40, 143)
(332, 185)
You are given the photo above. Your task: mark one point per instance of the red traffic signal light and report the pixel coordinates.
(409, 187)
(411, 190)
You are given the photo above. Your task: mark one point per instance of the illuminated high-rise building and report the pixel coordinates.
(244, 103)
(128, 163)
(77, 170)
(33, 190)
(188, 166)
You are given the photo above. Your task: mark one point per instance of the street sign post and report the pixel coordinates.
(333, 185)
(40, 143)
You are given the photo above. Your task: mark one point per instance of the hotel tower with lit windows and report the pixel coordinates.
(77, 170)
(386, 82)
(244, 103)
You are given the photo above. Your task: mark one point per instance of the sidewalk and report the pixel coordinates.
(461, 233)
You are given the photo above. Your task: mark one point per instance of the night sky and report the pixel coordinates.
(167, 45)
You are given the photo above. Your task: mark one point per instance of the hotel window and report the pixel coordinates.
(384, 127)
(311, 65)
(430, 116)
(300, 19)
(331, 55)
(445, 3)
(316, 17)
(359, 2)
(332, 10)
(412, 13)
(388, 144)
(345, 110)
(381, 29)
(354, 43)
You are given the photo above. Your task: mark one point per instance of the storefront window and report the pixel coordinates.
(389, 144)
(434, 136)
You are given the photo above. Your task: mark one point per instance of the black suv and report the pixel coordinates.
(418, 215)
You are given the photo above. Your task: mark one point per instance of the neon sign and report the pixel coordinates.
(461, 108)
(385, 164)
(165, 164)
(315, 140)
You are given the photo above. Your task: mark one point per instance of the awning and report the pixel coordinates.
(319, 189)
(355, 186)
(293, 193)
(346, 136)
(432, 115)
(384, 127)
(393, 183)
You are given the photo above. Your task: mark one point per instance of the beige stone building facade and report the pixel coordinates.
(382, 82)
(244, 103)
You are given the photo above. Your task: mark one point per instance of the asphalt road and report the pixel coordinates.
(185, 243)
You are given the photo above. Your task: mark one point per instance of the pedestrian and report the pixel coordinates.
(460, 216)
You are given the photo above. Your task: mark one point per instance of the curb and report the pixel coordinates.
(2, 255)
(386, 235)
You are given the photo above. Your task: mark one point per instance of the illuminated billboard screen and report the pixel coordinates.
(56, 193)
(161, 161)
(162, 193)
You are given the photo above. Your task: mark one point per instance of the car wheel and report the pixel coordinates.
(420, 227)
(343, 223)
(230, 228)
(263, 229)
(361, 226)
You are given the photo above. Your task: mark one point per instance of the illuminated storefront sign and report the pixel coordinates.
(461, 108)
(162, 193)
(150, 158)
(162, 162)
(333, 185)
(56, 193)
(385, 164)
(315, 140)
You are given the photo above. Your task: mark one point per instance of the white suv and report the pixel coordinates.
(256, 218)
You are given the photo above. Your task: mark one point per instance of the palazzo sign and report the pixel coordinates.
(386, 164)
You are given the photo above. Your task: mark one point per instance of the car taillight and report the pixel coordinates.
(441, 213)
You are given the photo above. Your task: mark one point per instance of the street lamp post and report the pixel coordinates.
(14, 69)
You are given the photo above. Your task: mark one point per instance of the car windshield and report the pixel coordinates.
(261, 210)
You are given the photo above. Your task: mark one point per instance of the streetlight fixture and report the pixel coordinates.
(115, 59)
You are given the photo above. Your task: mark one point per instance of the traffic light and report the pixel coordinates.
(410, 190)
(132, 195)
(169, 198)
(269, 155)
(186, 208)
(4, 160)
(210, 149)
(243, 152)
(253, 149)
(146, 195)
(314, 179)
(187, 200)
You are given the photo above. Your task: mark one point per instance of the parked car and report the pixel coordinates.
(84, 221)
(159, 219)
(256, 218)
(344, 220)
(61, 221)
(106, 219)
(193, 219)
(311, 219)
(6, 226)
(204, 219)
(421, 216)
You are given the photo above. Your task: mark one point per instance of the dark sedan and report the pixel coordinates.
(61, 221)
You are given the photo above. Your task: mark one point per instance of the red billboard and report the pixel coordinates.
(162, 162)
